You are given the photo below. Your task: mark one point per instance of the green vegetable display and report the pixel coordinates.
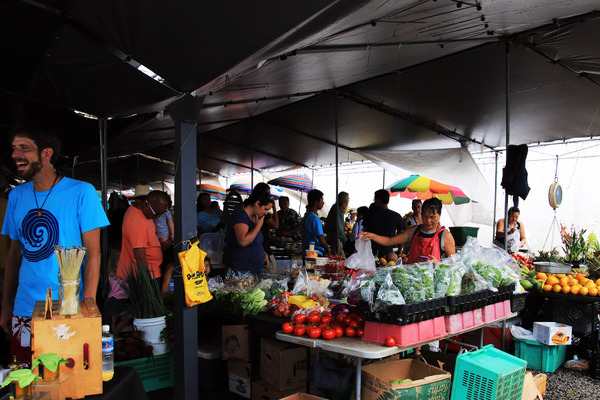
(399, 381)
(240, 302)
(495, 275)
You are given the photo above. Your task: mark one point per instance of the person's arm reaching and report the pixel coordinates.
(387, 241)
(244, 235)
(91, 241)
(522, 231)
(11, 281)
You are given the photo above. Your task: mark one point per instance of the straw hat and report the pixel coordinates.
(141, 191)
(352, 211)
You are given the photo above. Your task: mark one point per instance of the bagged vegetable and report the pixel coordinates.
(388, 295)
(423, 272)
(409, 284)
(301, 284)
(363, 258)
(448, 276)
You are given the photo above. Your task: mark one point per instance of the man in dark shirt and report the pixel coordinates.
(383, 221)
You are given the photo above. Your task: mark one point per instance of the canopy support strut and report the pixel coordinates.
(507, 135)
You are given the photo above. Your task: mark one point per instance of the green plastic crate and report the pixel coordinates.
(488, 374)
(461, 233)
(156, 372)
(540, 356)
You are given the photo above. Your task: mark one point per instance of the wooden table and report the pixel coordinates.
(362, 349)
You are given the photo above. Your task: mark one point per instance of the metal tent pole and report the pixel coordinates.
(184, 113)
(103, 127)
(337, 189)
(507, 135)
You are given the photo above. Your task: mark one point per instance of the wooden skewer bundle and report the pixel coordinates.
(69, 264)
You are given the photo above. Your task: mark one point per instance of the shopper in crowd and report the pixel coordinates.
(244, 238)
(428, 241)
(165, 231)
(357, 228)
(117, 297)
(312, 227)
(140, 247)
(271, 221)
(351, 217)
(290, 222)
(117, 206)
(334, 224)
(414, 217)
(208, 218)
(383, 222)
(48, 210)
(515, 239)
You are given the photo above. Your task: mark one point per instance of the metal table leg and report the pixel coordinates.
(504, 335)
(358, 376)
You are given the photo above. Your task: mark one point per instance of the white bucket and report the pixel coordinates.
(150, 329)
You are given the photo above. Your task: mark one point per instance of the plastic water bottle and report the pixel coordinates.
(108, 350)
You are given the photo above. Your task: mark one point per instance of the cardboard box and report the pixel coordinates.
(428, 382)
(552, 333)
(262, 390)
(240, 374)
(236, 342)
(282, 365)
(302, 396)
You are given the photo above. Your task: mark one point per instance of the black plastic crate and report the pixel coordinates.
(581, 316)
(517, 301)
(503, 293)
(466, 302)
(405, 314)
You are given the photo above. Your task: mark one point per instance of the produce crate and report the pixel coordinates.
(494, 311)
(461, 233)
(156, 372)
(488, 374)
(503, 293)
(540, 356)
(466, 302)
(405, 314)
(517, 301)
(580, 316)
(405, 335)
(468, 319)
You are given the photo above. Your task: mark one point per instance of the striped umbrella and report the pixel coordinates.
(244, 186)
(301, 183)
(422, 188)
(215, 191)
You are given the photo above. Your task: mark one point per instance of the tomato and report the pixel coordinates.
(340, 317)
(347, 320)
(339, 332)
(326, 314)
(350, 332)
(299, 330)
(327, 319)
(314, 317)
(315, 332)
(390, 341)
(361, 319)
(360, 332)
(354, 324)
(287, 328)
(328, 333)
(300, 318)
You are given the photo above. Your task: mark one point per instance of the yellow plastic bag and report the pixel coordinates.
(194, 278)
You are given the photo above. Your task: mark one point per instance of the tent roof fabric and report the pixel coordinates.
(402, 75)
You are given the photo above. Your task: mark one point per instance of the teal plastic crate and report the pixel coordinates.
(156, 372)
(540, 356)
(488, 374)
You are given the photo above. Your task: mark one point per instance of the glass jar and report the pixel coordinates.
(20, 384)
(48, 366)
(68, 296)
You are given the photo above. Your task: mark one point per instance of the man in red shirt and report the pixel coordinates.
(140, 245)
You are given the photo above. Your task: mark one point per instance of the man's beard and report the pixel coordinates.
(32, 169)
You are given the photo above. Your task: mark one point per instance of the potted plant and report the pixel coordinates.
(146, 306)
(575, 246)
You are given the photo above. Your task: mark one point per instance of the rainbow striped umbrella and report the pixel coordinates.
(244, 186)
(422, 188)
(215, 191)
(301, 183)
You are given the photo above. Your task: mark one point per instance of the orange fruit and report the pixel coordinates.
(584, 281)
(552, 280)
(573, 281)
(593, 292)
(575, 289)
(564, 281)
(598, 282)
(560, 276)
(557, 288)
(590, 284)
(542, 275)
(584, 291)
(547, 288)
(566, 289)
(580, 276)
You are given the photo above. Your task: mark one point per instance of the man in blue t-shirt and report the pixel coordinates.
(46, 211)
(312, 227)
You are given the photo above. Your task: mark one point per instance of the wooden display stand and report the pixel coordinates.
(74, 337)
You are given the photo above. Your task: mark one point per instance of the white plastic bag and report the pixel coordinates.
(363, 258)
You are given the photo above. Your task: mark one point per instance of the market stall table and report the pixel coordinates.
(361, 349)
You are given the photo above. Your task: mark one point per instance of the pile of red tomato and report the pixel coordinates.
(321, 324)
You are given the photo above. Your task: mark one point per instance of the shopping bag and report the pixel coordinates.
(194, 277)
(363, 258)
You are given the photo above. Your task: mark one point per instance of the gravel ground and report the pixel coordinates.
(565, 384)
